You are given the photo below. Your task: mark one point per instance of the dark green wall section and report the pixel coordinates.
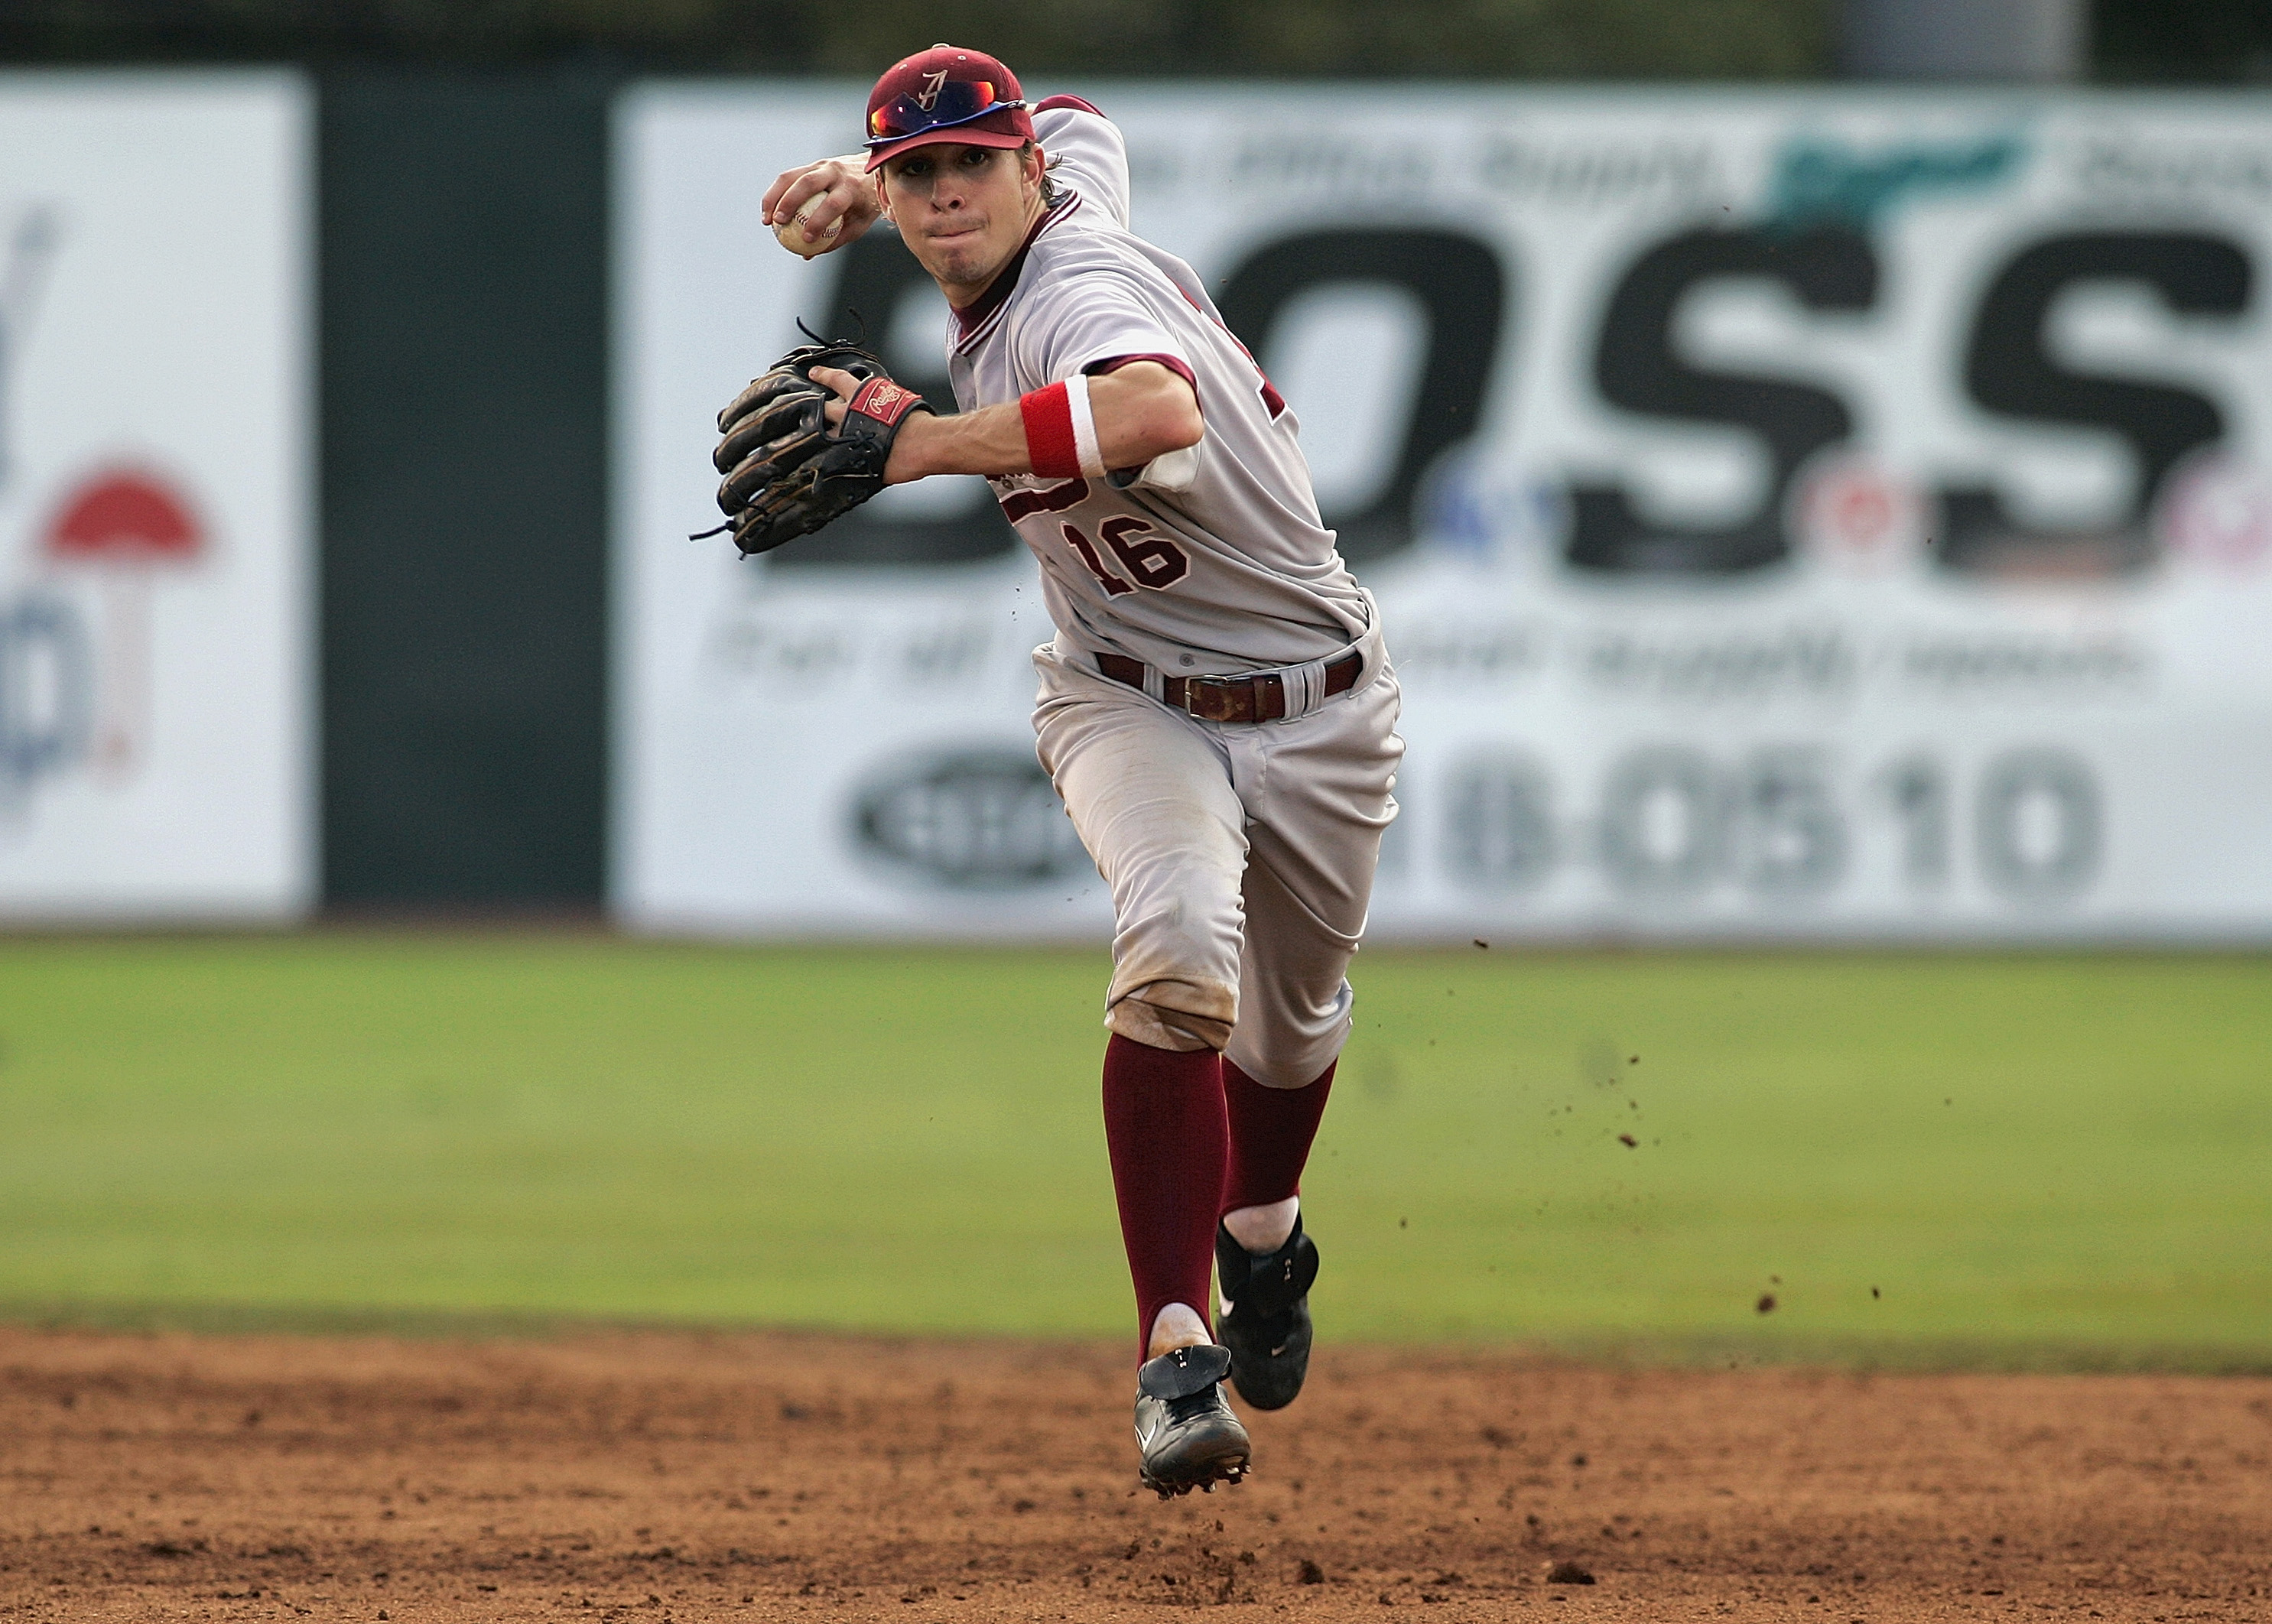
(464, 343)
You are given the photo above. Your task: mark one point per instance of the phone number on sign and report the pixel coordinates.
(1671, 820)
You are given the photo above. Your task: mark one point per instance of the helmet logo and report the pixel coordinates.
(927, 98)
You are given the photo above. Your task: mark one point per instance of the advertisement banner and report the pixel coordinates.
(1801, 515)
(155, 737)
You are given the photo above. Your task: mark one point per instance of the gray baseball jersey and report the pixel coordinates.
(1210, 560)
(1240, 856)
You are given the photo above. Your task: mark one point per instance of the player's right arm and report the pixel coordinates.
(1143, 411)
(845, 189)
(1086, 153)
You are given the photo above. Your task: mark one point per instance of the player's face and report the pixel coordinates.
(963, 211)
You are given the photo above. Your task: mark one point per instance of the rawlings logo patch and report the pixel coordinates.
(885, 401)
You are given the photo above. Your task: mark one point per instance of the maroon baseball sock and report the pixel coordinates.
(1164, 1130)
(1271, 1129)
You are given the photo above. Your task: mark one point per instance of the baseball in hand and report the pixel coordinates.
(791, 231)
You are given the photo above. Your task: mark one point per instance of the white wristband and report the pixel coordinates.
(1084, 427)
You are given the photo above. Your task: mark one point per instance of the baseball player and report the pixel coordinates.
(1217, 708)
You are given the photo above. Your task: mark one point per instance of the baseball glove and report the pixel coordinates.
(787, 472)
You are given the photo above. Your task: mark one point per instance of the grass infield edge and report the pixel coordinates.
(1852, 1355)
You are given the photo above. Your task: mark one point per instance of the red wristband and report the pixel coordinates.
(1050, 442)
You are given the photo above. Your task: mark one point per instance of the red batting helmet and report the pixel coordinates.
(945, 94)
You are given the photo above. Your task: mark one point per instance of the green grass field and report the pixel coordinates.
(2062, 1159)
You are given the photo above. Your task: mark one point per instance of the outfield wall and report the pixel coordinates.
(225, 693)
(1827, 514)
(156, 535)
(1832, 514)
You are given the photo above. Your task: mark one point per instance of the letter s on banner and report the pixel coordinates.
(1637, 368)
(2010, 368)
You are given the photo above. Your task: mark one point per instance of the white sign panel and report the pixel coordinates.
(1808, 515)
(155, 748)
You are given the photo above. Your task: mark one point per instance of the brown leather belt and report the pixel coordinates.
(1259, 698)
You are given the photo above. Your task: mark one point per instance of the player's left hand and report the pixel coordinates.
(844, 384)
(800, 449)
(901, 466)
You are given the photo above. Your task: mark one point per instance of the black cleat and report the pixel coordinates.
(1266, 1328)
(1183, 1425)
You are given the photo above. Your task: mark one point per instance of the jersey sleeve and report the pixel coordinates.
(1086, 153)
(1096, 321)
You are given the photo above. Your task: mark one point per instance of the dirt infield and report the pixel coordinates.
(654, 1477)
